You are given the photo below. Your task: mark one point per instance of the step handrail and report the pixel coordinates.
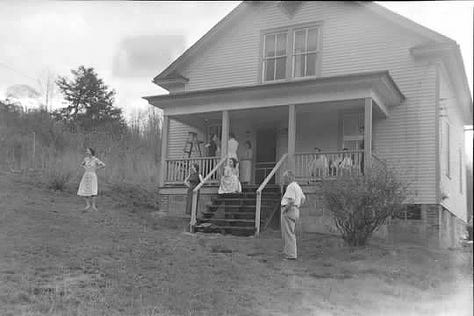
(196, 190)
(260, 189)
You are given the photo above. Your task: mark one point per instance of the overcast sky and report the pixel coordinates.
(128, 43)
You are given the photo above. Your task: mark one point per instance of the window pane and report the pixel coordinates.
(312, 39)
(300, 41)
(298, 66)
(269, 45)
(280, 68)
(311, 64)
(269, 66)
(281, 44)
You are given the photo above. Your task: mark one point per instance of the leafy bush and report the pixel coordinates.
(360, 204)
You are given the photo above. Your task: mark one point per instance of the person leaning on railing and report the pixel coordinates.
(191, 181)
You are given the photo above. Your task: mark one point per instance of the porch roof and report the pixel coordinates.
(376, 85)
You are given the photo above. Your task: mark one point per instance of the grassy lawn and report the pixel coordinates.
(123, 260)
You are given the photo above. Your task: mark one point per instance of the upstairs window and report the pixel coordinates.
(305, 51)
(275, 56)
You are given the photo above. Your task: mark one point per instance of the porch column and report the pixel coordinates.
(164, 149)
(368, 133)
(225, 133)
(291, 136)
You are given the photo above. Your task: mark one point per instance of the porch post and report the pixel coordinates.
(291, 136)
(225, 133)
(164, 149)
(368, 133)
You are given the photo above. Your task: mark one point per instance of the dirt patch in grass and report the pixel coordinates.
(123, 260)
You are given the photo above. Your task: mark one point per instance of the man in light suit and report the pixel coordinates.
(290, 213)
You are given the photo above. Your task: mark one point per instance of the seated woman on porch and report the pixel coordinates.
(342, 164)
(319, 166)
(230, 180)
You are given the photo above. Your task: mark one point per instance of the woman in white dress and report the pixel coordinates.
(232, 146)
(88, 187)
(246, 163)
(230, 180)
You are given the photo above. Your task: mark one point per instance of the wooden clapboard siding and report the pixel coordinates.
(177, 136)
(450, 111)
(353, 40)
(407, 138)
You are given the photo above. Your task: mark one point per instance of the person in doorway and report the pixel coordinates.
(192, 181)
(230, 180)
(246, 163)
(290, 213)
(232, 147)
(88, 186)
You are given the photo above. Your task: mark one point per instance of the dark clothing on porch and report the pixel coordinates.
(212, 149)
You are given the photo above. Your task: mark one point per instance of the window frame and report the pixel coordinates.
(290, 29)
(461, 168)
(446, 146)
(306, 52)
(264, 58)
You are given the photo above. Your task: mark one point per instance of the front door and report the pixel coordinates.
(265, 154)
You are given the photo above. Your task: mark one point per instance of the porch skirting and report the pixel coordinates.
(436, 227)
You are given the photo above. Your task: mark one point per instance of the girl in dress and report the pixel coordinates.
(191, 181)
(230, 180)
(88, 185)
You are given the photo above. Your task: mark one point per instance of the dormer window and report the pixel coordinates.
(291, 52)
(275, 56)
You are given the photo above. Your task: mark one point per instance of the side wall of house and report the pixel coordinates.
(453, 168)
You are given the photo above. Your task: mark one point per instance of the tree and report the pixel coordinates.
(90, 102)
(361, 203)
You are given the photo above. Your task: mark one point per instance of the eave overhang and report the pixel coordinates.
(376, 85)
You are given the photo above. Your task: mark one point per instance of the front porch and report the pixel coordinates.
(284, 123)
(337, 129)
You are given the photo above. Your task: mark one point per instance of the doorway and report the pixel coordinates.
(265, 154)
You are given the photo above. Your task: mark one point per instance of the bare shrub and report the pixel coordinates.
(360, 204)
(57, 179)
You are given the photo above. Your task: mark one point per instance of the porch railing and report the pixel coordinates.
(177, 169)
(328, 164)
(207, 178)
(260, 189)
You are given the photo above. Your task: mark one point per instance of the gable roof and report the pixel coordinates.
(246, 5)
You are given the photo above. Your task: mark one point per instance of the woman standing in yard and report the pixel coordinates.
(88, 185)
(191, 181)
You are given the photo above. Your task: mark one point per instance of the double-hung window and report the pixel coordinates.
(275, 56)
(305, 51)
(292, 52)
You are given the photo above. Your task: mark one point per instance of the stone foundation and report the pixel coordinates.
(437, 227)
(173, 200)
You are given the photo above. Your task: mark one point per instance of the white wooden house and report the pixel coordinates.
(289, 76)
